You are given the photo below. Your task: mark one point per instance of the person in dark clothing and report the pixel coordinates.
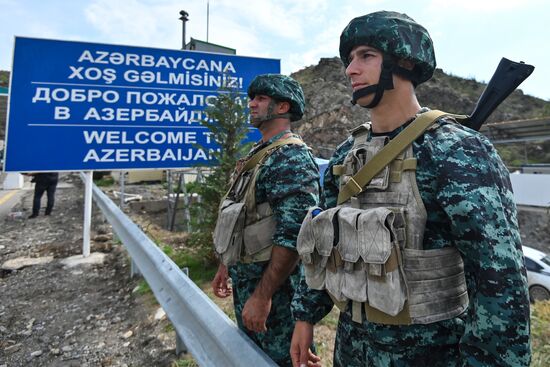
(46, 181)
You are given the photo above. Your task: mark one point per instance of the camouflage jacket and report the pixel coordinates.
(467, 193)
(289, 181)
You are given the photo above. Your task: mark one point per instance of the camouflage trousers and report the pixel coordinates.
(275, 342)
(354, 349)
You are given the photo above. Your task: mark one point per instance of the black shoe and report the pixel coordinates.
(47, 213)
(33, 216)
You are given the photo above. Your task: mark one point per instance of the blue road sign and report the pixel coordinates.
(86, 106)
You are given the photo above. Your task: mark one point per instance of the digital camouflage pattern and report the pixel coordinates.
(280, 325)
(394, 34)
(281, 88)
(467, 193)
(289, 181)
(356, 348)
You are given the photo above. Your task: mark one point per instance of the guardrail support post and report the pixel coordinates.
(180, 345)
(134, 270)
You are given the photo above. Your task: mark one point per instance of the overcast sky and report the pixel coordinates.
(470, 36)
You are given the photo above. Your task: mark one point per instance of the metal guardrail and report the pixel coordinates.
(209, 335)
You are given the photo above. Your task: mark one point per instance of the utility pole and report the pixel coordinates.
(207, 18)
(184, 18)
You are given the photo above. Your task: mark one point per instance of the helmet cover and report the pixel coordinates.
(394, 34)
(281, 88)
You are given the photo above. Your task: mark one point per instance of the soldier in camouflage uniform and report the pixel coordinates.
(469, 208)
(265, 272)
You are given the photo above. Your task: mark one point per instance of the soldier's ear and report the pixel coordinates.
(406, 64)
(283, 107)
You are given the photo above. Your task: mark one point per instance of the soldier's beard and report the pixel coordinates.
(259, 120)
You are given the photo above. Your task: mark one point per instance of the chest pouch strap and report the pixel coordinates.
(259, 156)
(254, 163)
(338, 169)
(389, 152)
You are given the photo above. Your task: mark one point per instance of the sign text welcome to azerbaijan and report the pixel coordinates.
(83, 106)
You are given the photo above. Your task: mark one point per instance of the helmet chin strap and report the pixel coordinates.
(259, 121)
(384, 83)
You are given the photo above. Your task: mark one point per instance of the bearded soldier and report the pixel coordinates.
(259, 220)
(418, 243)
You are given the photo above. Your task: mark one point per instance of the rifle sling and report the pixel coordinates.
(258, 156)
(416, 128)
(261, 154)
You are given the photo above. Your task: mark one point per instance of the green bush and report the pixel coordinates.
(4, 78)
(200, 262)
(105, 181)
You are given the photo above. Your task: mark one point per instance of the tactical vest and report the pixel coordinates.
(369, 250)
(244, 228)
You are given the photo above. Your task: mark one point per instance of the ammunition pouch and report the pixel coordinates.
(234, 241)
(228, 235)
(315, 244)
(244, 229)
(257, 237)
(355, 255)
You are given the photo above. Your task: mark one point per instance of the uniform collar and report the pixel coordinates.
(259, 145)
(394, 133)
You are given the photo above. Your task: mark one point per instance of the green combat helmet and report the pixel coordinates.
(398, 37)
(281, 88)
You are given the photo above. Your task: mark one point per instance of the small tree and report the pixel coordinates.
(227, 120)
(4, 78)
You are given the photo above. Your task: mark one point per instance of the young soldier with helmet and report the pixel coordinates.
(418, 242)
(260, 217)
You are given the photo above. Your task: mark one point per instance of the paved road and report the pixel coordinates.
(9, 198)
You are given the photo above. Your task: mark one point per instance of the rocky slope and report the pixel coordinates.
(329, 113)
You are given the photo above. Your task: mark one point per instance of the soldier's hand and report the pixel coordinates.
(255, 313)
(302, 338)
(220, 284)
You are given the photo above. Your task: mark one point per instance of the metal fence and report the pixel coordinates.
(207, 333)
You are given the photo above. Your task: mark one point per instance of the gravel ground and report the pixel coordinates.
(87, 315)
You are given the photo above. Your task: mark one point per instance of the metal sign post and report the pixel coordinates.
(121, 180)
(88, 182)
